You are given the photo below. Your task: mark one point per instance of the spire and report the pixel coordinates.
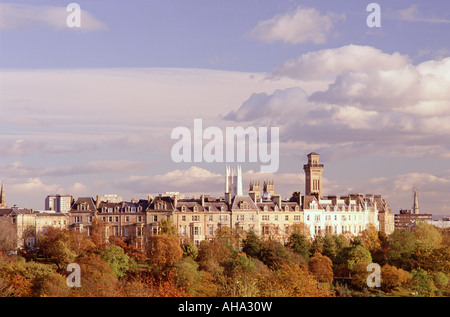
(2, 197)
(416, 201)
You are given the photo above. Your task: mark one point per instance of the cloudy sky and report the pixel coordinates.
(90, 110)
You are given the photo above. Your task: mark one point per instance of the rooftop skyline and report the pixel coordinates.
(90, 110)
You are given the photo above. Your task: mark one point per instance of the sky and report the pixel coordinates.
(90, 110)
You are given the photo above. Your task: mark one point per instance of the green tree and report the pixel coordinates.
(252, 245)
(299, 245)
(401, 249)
(118, 261)
(423, 283)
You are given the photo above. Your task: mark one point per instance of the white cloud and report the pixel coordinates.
(25, 16)
(331, 62)
(300, 26)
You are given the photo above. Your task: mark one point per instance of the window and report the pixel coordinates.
(139, 218)
(195, 208)
(297, 218)
(133, 209)
(183, 218)
(286, 217)
(183, 230)
(116, 219)
(183, 208)
(195, 218)
(109, 219)
(127, 218)
(210, 218)
(211, 230)
(307, 217)
(265, 217)
(252, 217)
(276, 217)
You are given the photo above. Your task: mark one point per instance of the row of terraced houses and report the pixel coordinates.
(260, 210)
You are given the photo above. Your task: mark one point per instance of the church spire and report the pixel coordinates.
(2, 197)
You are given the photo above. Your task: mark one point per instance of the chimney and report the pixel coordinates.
(97, 202)
(416, 201)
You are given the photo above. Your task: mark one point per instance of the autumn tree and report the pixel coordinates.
(392, 277)
(211, 254)
(163, 251)
(291, 281)
(97, 278)
(54, 244)
(322, 268)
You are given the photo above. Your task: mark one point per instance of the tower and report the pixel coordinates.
(255, 191)
(416, 201)
(268, 189)
(313, 175)
(2, 197)
(233, 182)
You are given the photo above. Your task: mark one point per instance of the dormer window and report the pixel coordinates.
(195, 208)
(286, 208)
(183, 208)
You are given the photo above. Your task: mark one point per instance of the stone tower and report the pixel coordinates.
(268, 189)
(255, 190)
(313, 175)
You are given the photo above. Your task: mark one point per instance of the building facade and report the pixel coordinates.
(261, 210)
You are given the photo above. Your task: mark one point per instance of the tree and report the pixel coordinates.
(8, 235)
(422, 282)
(211, 254)
(118, 261)
(401, 248)
(274, 254)
(298, 244)
(392, 277)
(252, 245)
(97, 278)
(291, 281)
(195, 282)
(54, 244)
(356, 255)
(370, 239)
(322, 268)
(163, 251)
(167, 227)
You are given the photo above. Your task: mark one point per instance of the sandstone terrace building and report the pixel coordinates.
(197, 219)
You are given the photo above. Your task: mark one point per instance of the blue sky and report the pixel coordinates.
(89, 110)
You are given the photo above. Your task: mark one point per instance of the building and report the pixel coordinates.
(59, 203)
(261, 210)
(29, 224)
(407, 218)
